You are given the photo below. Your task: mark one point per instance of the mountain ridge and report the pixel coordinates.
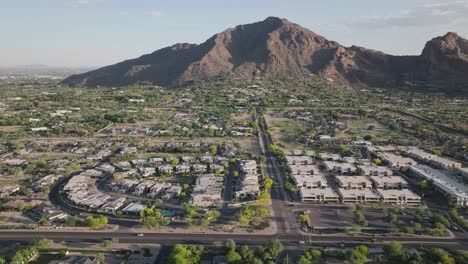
(278, 48)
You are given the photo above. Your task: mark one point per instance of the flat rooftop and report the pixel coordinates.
(354, 193)
(327, 192)
(345, 180)
(441, 178)
(394, 194)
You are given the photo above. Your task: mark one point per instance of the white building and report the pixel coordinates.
(389, 182)
(133, 209)
(326, 195)
(310, 182)
(358, 195)
(463, 172)
(299, 160)
(304, 170)
(396, 161)
(451, 188)
(207, 190)
(340, 168)
(353, 182)
(373, 170)
(403, 196)
(433, 159)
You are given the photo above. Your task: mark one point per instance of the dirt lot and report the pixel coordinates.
(362, 127)
(329, 217)
(14, 218)
(283, 130)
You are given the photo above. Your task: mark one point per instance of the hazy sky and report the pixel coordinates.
(101, 32)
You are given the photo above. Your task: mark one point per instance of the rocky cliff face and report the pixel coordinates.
(277, 48)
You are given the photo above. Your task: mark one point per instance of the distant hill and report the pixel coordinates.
(277, 48)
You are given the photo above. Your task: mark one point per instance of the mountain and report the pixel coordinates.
(277, 48)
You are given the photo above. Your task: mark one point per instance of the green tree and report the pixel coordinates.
(31, 167)
(303, 219)
(357, 257)
(16, 171)
(233, 257)
(71, 221)
(263, 196)
(106, 243)
(44, 243)
(100, 258)
(288, 186)
(243, 221)
(182, 254)
(268, 183)
(96, 223)
(213, 149)
(394, 251)
(422, 185)
(377, 161)
(438, 218)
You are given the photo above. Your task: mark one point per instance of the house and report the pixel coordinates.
(247, 192)
(7, 190)
(206, 159)
(188, 159)
(146, 171)
(247, 166)
(44, 182)
(38, 129)
(199, 168)
(137, 162)
(324, 138)
(172, 191)
(156, 160)
(106, 168)
(207, 190)
(329, 156)
(143, 187)
(133, 209)
(122, 165)
(113, 205)
(165, 169)
(157, 189)
(182, 169)
(215, 168)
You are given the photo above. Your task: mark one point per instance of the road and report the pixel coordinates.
(208, 239)
(282, 217)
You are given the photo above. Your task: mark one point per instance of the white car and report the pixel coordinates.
(140, 235)
(302, 242)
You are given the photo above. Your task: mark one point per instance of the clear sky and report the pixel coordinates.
(101, 32)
